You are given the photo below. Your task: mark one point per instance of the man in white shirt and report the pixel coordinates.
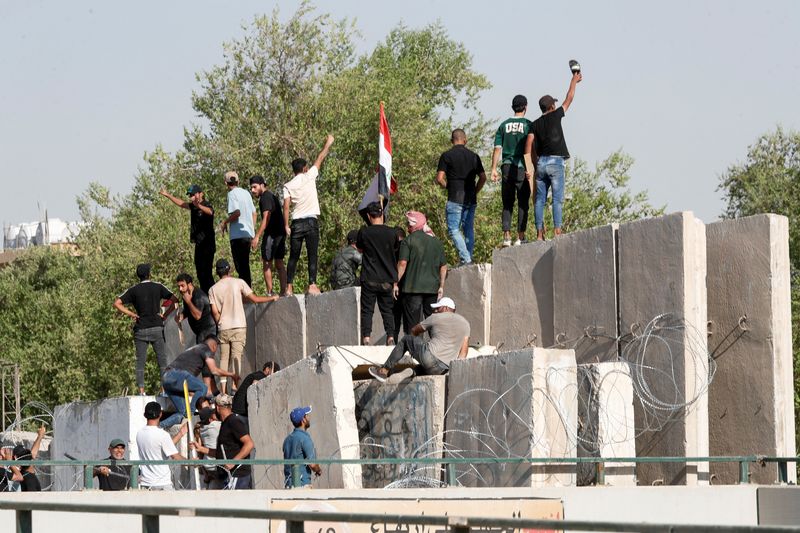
(301, 194)
(155, 444)
(242, 221)
(227, 308)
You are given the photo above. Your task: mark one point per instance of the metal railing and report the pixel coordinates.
(449, 464)
(295, 520)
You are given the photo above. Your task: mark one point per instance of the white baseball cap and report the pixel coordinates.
(444, 302)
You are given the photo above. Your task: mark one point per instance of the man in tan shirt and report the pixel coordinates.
(227, 306)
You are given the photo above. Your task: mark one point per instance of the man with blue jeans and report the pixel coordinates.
(457, 170)
(186, 367)
(549, 154)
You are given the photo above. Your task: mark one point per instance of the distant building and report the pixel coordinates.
(49, 232)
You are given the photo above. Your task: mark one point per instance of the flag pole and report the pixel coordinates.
(380, 196)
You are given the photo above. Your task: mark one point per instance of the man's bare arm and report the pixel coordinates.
(417, 330)
(173, 199)
(576, 78)
(324, 153)
(462, 352)
(401, 270)
(253, 297)
(215, 312)
(442, 278)
(495, 160)
(124, 310)
(441, 179)
(287, 201)
(193, 309)
(481, 182)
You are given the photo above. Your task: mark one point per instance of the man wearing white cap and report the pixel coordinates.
(449, 339)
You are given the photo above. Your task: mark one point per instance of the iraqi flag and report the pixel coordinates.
(383, 184)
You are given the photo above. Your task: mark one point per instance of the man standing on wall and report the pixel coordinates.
(227, 307)
(148, 326)
(550, 155)
(242, 221)
(271, 232)
(457, 170)
(301, 193)
(421, 268)
(509, 141)
(197, 311)
(201, 232)
(377, 244)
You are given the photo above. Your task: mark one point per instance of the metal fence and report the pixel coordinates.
(448, 464)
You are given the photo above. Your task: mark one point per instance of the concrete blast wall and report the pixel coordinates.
(514, 404)
(324, 383)
(333, 319)
(606, 425)
(749, 309)
(585, 293)
(280, 329)
(470, 287)
(400, 420)
(522, 296)
(84, 430)
(662, 307)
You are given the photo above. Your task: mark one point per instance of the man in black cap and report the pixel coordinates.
(114, 477)
(148, 321)
(155, 444)
(201, 232)
(509, 142)
(344, 271)
(377, 244)
(271, 232)
(549, 153)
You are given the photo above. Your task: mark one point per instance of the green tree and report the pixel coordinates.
(768, 181)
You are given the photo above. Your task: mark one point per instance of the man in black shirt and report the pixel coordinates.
(197, 311)
(26, 475)
(148, 327)
(457, 170)
(377, 244)
(201, 232)
(549, 155)
(273, 231)
(240, 398)
(234, 442)
(186, 367)
(114, 477)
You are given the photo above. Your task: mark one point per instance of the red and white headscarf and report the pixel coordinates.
(418, 221)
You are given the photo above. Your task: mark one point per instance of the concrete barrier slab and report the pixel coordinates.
(470, 287)
(84, 430)
(606, 422)
(280, 328)
(403, 420)
(333, 318)
(512, 405)
(325, 384)
(522, 296)
(751, 404)
(585, 293)
(662, 298)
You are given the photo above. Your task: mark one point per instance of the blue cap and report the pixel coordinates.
(298, 413)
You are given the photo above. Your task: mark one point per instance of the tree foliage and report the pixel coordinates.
(768, 181)
(279, 90)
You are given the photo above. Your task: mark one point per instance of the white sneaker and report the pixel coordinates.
(517, 242)
(376, 373)
(506, 243)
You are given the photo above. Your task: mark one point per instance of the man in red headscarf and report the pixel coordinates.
(421, 270)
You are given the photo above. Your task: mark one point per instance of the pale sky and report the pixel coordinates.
(86, 87)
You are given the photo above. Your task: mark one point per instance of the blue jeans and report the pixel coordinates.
(549, 173)
(172, 382)
(460, 225)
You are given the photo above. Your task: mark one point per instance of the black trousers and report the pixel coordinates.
(416, 308)
(515, 186)
(382, 292)
(204, 263)
(240, 250)
(304, 229)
